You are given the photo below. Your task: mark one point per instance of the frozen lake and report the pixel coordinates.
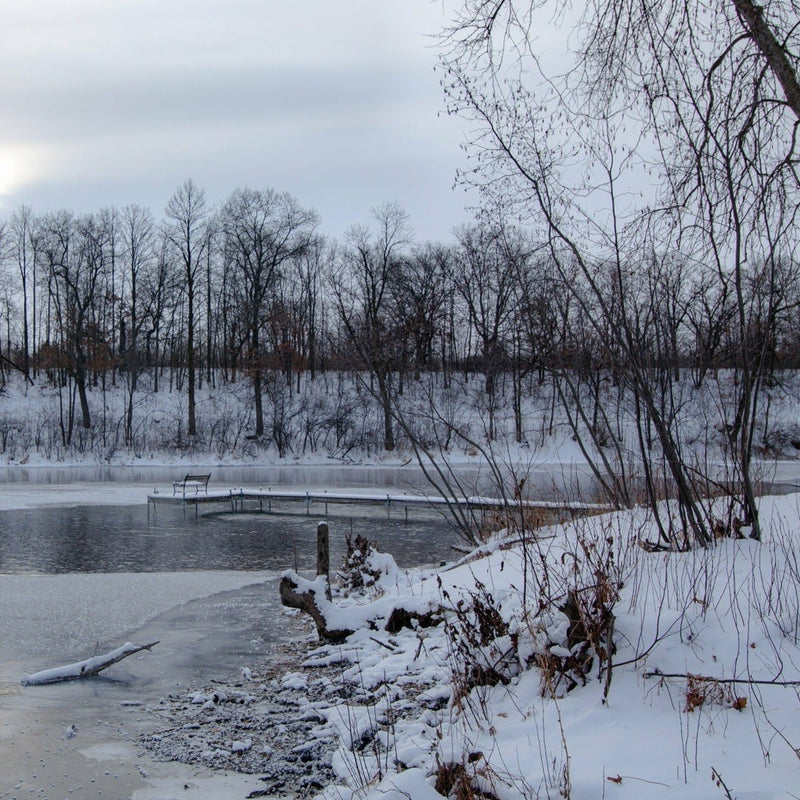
(72, 575)
(75, 576)
(542, 480)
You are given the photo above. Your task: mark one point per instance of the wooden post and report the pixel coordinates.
(324, 556)
(323, 550)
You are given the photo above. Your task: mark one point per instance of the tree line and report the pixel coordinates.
(251, 294)
(251, 287)
(211, 294)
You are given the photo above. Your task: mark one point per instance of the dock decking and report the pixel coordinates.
(241, 500)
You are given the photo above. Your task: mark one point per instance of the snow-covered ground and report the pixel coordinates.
(482, 699)
(495, 695)
(702, 699)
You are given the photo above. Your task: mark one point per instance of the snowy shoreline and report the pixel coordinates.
(699, 641)
(409, 709)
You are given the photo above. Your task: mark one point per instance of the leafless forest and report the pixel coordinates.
(636, 249)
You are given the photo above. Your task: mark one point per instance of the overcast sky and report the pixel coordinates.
(336, 101)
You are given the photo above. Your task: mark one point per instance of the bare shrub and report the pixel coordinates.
(483, 651)
(471, 779)
(702, 691)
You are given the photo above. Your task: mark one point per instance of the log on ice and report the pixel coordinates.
(85, 669)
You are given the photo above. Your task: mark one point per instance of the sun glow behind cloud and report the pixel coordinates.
(335, 101)
(20, 166)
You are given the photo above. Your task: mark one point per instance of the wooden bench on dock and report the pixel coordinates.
(196, 482)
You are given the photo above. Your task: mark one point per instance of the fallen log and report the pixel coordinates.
(334, 624)
(84, 669)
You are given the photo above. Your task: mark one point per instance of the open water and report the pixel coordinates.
(123, 539)
(54, 540)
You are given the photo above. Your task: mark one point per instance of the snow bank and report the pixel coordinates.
(507, 698)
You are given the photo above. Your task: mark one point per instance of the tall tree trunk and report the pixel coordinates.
(385, 391)
(192, 423)
(258, 402)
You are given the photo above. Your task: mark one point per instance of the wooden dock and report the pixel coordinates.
(242, 500)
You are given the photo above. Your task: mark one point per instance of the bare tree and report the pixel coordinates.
(27, 254)
(187, 215)
(5, 258)
(422, 288)
(486, 266)
(137, 235)
(263, 230)
(311, 267)
(159, 293)
(74, 250)
(692, 107)
(362, 291)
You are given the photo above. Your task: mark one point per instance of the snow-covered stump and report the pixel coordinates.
(311, 597)
(335, 624)
(84, 669)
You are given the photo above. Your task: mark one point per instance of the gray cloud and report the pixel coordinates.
(211, 97)
(111, 103)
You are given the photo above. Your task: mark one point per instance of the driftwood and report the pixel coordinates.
(85, 669)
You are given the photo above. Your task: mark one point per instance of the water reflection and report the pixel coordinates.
(121, 539)
(117, 539)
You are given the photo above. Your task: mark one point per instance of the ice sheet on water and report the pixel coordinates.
(62, 614)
